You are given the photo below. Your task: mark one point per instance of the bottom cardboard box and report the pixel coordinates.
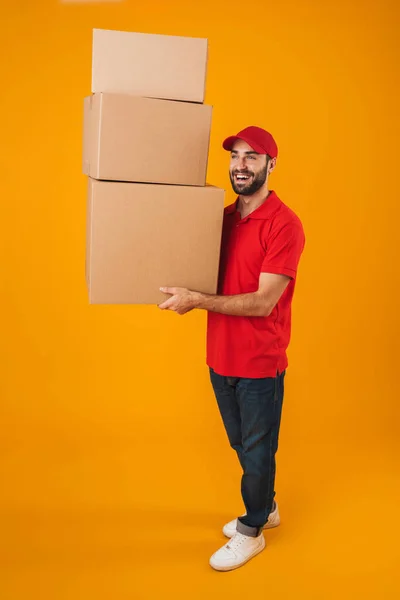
(144, 236)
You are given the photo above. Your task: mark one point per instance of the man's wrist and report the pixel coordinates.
(199, 300)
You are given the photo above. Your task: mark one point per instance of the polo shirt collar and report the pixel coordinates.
(264, 211)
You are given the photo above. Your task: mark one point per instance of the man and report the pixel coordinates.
(248, 333)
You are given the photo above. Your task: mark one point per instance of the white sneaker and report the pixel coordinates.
(274, 520)
(240, 549)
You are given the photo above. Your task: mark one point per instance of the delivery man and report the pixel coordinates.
(248, 332)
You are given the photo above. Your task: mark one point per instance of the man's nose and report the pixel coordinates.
(242, 162)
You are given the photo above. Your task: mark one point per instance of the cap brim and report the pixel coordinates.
(229, 142)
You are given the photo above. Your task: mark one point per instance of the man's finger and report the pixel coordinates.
(167, 303)
(169, 290)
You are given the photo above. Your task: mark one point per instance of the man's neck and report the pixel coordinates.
(248, 204)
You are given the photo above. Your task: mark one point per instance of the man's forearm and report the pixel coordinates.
(243, 305)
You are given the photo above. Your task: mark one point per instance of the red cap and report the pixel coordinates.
(260, 140)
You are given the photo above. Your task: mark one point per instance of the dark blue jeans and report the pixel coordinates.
(251, 411)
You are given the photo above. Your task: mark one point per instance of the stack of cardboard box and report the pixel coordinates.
(151, 218)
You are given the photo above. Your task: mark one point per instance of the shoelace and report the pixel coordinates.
(236, 541)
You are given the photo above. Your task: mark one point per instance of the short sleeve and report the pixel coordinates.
(284, 249)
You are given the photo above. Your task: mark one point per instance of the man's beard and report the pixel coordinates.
(252, 185)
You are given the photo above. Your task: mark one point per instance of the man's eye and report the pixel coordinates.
(251, 157)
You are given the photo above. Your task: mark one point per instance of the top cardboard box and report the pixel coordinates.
(151, 65)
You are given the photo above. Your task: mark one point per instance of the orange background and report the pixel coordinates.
(116, 472)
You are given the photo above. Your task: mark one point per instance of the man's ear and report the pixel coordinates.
(272, 165)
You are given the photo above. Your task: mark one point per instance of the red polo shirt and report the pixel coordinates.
(269, 240)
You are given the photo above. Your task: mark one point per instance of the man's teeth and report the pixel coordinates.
(242, 177)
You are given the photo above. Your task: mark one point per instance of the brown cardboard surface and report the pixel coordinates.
(144, 236)
(130, 138)
(158, 66)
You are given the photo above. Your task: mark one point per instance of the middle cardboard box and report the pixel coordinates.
(137, 139)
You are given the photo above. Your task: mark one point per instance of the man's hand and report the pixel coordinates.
(181, 301)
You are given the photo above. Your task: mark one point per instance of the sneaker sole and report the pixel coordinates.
(225, 569)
